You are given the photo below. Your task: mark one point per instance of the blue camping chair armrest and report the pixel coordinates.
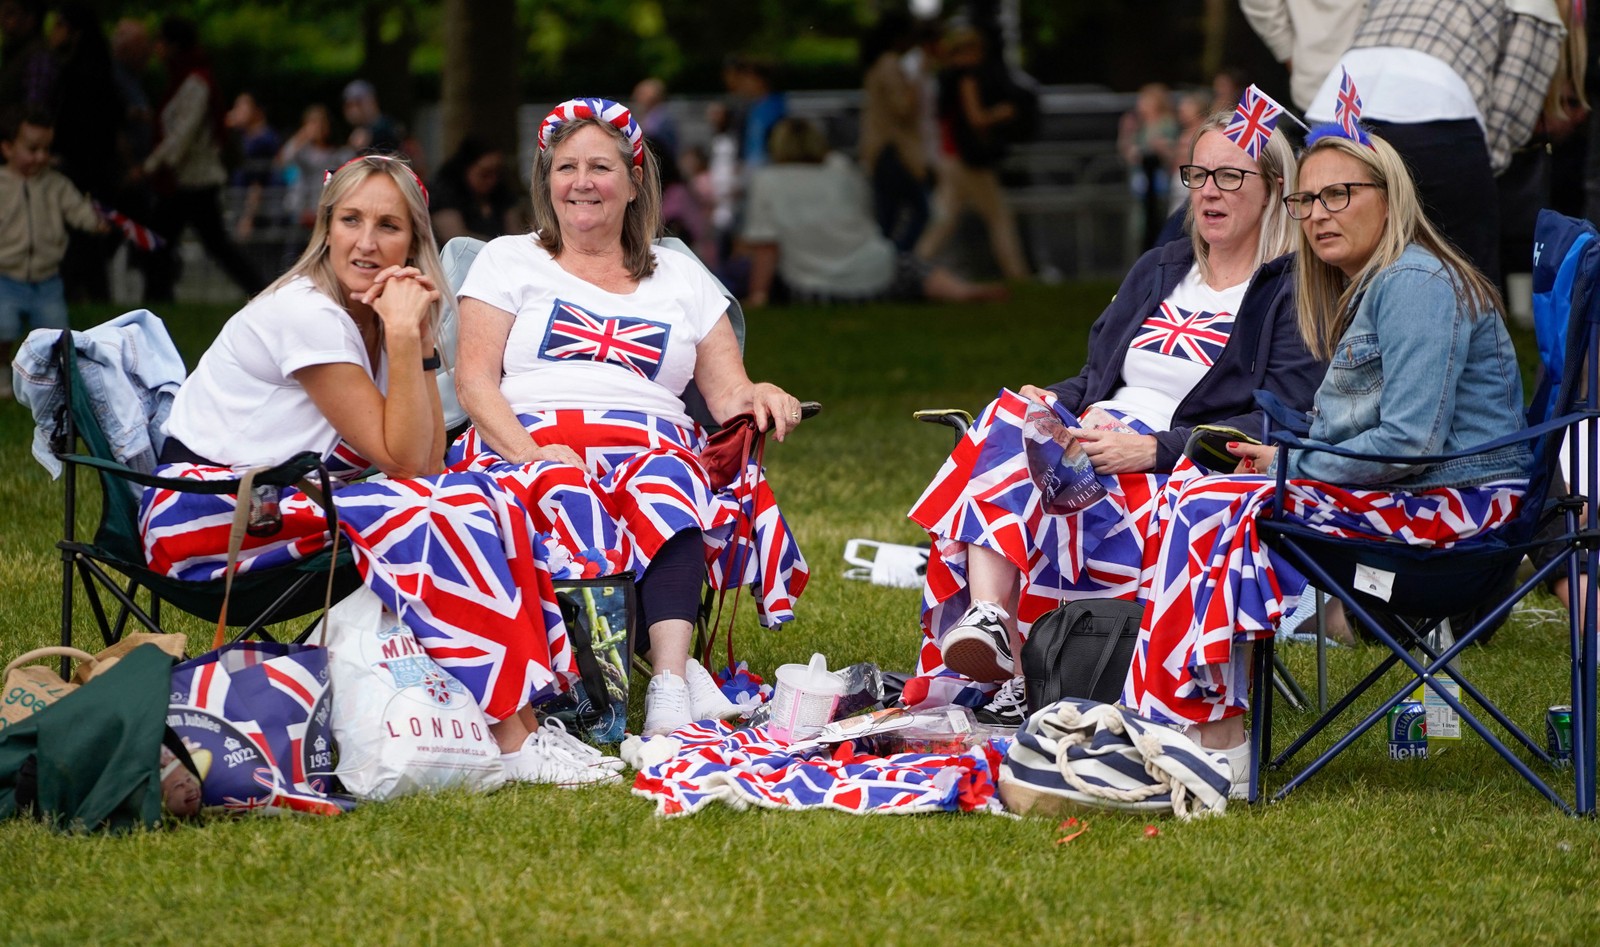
(1279, 414)
(1286, 439)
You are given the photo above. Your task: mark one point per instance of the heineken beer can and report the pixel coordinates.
(1558, 734)
(1408, 731)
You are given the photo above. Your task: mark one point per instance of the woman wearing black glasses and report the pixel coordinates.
(1420, 363)
(1196, 327)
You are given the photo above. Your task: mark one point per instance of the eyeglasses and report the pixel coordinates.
(1335, 197)
(1228, 179)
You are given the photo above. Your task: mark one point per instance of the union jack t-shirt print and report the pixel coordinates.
(1195, 335)
(576, 334)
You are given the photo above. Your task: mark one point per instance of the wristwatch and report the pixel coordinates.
(432, 362)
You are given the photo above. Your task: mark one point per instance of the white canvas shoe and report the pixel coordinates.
(666, 704)
(538, 761)
(706, 700)
(555, 734)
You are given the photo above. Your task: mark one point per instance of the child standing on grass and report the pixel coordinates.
(37, 204)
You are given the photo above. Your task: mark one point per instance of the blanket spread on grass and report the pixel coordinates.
(747, 767)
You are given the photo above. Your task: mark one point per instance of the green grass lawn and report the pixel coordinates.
(1452, 849)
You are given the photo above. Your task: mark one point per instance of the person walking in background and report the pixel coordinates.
(37, 205)
(371, 131)
(303, 160)
(1455, 86)
(86, 121)
(185, 167)
(1147, 139)
(651, 112)
(751, 81)
(471, 196)
(972, 114)
(1307, 36)
(27, 68)
(258, 146)
(891, 141)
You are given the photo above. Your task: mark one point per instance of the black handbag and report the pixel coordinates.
(1082, 649)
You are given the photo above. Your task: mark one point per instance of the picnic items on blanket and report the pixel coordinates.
(890, 564)
(1079, 754)
(805, 699)
(713, 762)
(402, 724)
(29, 688)
(1056, 462)
(92, 759)
(600, 615)
(897, 730)
(863, 690)
(1082, 649)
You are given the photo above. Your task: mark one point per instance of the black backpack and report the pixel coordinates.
(1082, 649)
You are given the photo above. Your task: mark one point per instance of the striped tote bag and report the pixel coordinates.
(1080, 754)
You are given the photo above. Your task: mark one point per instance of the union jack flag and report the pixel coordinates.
(747, 767)
(1216, 584)
(1347, 106)
(1197, 336)
(983, 494)
(138, 234)
(1254, 119)
(637, 345)
(642, 485)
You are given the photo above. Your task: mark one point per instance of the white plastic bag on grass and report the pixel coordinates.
(403, 724)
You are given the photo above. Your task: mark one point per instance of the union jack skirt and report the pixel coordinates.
(455, 556)
(983, 495)
(1216, 584)
(644, 484)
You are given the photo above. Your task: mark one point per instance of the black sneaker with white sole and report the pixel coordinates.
(1007, 708)
(979, 646)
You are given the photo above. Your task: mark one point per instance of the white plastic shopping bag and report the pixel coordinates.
(897, 566)
(403, 724)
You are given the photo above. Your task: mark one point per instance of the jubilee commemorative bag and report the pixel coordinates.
(402, 723)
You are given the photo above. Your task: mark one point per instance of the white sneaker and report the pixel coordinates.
(1239, 763)
(706, 700)
(554, 733)
(538, 761)
(666, 704)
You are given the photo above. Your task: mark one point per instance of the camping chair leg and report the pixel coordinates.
(1260, 715)
(1333, 713)
(1283, 682)
(66, 611)
(1322, 653)
(91, 572)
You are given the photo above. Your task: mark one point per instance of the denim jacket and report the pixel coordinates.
(130, 370)
(1414, 375)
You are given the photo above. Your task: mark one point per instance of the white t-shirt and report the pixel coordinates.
(817, 214)
(1174, 348)
(575, 345)
(242, 405)
(1398, 85)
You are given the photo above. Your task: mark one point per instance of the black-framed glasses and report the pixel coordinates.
(1194, 177)
(1335, 197)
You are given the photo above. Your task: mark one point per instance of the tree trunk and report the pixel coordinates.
(480, 85)
(386, 62)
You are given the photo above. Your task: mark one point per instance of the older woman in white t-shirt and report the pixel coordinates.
(577, 342)
(337, 357)
(1196, 327)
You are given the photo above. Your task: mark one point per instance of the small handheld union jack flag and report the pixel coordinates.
(1254, 119)
(1347, 106)
(138, 234)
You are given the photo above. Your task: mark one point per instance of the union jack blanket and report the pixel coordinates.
(1216, 584)
(983, 494)
(748, 768)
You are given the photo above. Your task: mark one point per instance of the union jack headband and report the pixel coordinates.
(328, 175)
(601, 110)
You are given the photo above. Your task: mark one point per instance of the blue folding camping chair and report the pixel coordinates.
(1431, 584)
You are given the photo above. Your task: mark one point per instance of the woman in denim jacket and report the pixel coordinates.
(1420, 363)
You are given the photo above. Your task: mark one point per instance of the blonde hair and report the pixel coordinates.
(316, 265)
(1326, 296)
(1277, 169)
(641, 222)
(1566, 85)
